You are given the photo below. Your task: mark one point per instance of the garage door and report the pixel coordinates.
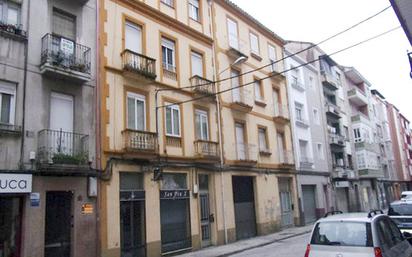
(309, 203)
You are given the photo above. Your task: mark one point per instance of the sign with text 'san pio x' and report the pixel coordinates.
(174, 194)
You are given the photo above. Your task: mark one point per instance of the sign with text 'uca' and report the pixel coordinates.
(15, 183)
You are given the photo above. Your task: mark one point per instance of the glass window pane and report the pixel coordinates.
(343, 234)
(131, 113)
(131, 181)
(262, 139)
(13, 15)
(172, 181)
(176, 128)
(140, 115)
(198, 126)
(205, 131)
(170, 57)
(1, 12)
(169, 121)
(5, 108)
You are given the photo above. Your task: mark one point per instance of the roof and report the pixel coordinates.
(376, 92)
(403, 9)
(352, 217)
(354, 75)
(253, 20)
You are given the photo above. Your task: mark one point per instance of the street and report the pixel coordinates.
(292, 247)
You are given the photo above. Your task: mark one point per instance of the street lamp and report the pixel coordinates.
(239, 60)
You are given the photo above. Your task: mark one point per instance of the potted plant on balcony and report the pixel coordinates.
(62, 158)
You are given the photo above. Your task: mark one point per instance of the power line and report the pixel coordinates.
(284, 71)
(286, 57)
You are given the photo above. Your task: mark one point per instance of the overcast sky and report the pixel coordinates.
(383, 61)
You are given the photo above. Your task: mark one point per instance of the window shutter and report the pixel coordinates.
(133, 37)
(64, 25)
(197, 64)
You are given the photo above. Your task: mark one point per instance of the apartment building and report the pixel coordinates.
(309, 137)
(182, 167)
(47, 88)
(396, 127)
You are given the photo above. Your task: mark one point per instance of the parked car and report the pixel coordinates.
(401, 213)
(370, 234)
(406, 195)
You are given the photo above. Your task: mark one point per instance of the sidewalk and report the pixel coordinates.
(247, 244)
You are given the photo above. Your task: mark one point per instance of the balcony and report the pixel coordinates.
(10, 129)
(207, 150)
(360, 118)
(296, 84)
(12, 31)
(202, 86)
(363, 145)
(246, 154)
(357, 97)
(306, 163)
(375, 172)
(63, 150)
(336, 140)
(237, 47)
(329, 81)
(286, 158)
(281, 114)
(140, 141)
(65, 59)
(241, 101)
(276, 71)
(138, 66)
(333, 110)
(301, 122)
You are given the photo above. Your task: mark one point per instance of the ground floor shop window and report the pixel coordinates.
(175, 213)
(10, 226)
(132, 215)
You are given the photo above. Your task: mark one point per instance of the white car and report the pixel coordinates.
(406, 195)
(357, 235)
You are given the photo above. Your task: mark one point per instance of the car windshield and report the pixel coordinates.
(400, 210)
(342, 233)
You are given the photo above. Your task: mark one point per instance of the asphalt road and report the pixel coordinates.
(292, 247)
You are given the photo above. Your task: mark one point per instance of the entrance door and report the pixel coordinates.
(244, 201)
(61, 122)
(132, 228)
(342, 199)
(309, 203)
(204, 209)
(286, 202)
(10, 226)
(240, 141)
(59, 224)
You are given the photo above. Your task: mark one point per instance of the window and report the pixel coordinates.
(10, 12)
(202, 126)
(133, 37)
(316, 116)
(320, 151)
(173, 121)
(258, 91)
(272, 57)
(194, 10)
(7, 102)
(168, 55)
(263, 144)
(197, 64)
(343, 234)
(254, 43)
(64, 24)
(299, 111)
(168, 2)
(311, 82)
(361, 160)
(232, 33)
(303, 147)
(346, 129)
(357, 135)
(136, 111)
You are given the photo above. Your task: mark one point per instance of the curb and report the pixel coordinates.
(263, 244)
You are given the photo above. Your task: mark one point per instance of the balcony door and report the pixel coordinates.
(276, 102)
(235, 83)
(281, 148)
(240, 141)
(133, 37)
(61, 123)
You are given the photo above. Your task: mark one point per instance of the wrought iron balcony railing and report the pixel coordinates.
(60, 147)
(65, 53)
(246, 152)
(202, 85)
(139, 63)
(207, 149)
(12, 30)
(135, 140)
(281, 112)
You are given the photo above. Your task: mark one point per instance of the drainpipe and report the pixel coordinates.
(97, 112)
(23, 120)
(222, 187)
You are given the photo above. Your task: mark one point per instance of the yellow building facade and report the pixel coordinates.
(184, 169)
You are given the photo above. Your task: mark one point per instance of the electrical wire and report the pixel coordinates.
(284, 58)
(279, 73)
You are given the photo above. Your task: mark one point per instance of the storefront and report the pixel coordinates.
(175, 213)
(13, 190)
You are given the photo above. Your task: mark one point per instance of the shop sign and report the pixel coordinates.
(87, 208)
(339, 184)
(174, 194)
(15, 183)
